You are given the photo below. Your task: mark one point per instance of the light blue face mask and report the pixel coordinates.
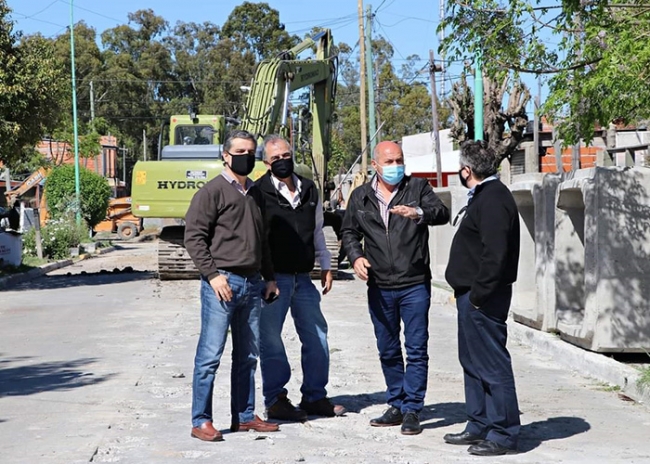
(392, 174)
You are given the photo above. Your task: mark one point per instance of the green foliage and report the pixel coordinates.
(60, 193)
(31, 86)
(596, 53)
(57, 237)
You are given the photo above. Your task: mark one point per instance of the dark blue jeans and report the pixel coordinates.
(405, 387)
(490, 395)
(297, 292)
(242, 315)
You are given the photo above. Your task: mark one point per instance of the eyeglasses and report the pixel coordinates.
(275, 158)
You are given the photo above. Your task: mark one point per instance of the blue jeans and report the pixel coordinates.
(406, 387)
(241, 314)
(490, 394)
(298, 293)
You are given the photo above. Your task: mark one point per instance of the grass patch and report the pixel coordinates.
(441, 286)
(644, 380)
(607, 387)
(29, 263)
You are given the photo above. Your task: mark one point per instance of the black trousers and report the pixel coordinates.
(490, 395)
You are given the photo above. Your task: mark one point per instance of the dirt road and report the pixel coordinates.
(96, 367)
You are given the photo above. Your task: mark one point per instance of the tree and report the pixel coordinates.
(94, 193)
(503, 128)
(598, 69)
(31, 91)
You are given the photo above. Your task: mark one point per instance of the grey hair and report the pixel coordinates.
(238, 134)
(479, 157)
(273, 139)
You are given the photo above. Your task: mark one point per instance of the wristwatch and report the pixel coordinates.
(419, 211)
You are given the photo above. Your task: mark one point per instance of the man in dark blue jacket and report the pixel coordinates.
(391, 214)
(482, 268)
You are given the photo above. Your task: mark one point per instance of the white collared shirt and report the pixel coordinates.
(323, 255)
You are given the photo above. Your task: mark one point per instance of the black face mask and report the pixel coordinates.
(282, 168)
(242, 164)
(463, 180)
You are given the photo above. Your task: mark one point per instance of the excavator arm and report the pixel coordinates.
(268, 101)
(33, 179)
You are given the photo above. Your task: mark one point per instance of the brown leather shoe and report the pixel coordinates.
(206, 432)
(256, 424)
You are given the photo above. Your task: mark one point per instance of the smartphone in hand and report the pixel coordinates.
(272, 297)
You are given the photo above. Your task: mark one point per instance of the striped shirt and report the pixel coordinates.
(383, 202)
(235, 183)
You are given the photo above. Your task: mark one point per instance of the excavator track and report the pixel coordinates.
(174, 263)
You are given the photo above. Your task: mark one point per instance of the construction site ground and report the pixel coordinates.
(96, 366)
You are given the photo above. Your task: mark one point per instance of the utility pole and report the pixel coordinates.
(441, 38)
(536, 120)
(377, 112)
(77, 186)
(372, 124)
(478, 99)
(144, 144)
(92, 101)
(434, 117)
(362, 91)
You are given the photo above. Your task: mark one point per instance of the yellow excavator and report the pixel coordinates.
(163, 188)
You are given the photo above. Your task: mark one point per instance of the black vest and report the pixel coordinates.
(291, 231)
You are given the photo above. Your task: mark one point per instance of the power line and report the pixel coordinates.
(41, 11)
(91, 11)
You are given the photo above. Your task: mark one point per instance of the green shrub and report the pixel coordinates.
(60, 193)
(57, 237)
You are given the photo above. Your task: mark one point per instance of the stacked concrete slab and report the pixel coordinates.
(602, 259)
(533, 301)
(440, 237)
(584, 269)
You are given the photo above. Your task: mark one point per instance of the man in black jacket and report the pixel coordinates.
(294, 218)
(391, 214)
(482, 268)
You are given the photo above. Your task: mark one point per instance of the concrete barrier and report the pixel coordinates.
(533, 302)
(602, 259)
(440, 237)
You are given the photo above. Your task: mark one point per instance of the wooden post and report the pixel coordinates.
(37, 229)
(362, 91)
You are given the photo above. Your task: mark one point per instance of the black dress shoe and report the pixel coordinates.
(283, 410)
(463, 438)
(392, 416)
(490, 448)
(411, 424)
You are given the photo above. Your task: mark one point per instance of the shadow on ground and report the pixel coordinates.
(29, 379)
(83, 279)
(554, 428)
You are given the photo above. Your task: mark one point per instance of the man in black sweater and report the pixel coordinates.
(386, 237)
(482, 268)
(294, 217)
(226, 238)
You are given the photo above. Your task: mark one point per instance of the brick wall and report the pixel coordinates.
(548, 161)
(105, 164)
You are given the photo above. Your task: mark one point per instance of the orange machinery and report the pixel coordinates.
(120, 219)
(32, 181)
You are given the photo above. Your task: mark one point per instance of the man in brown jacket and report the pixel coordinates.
(226, 238)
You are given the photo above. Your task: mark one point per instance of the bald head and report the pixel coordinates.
(388, 152)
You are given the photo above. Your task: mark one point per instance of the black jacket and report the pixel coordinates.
(399, 254)
(291, 231)
(484, 254)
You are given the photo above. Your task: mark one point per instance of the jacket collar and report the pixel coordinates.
(369, 191)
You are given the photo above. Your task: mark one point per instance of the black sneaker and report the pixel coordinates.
(392, 416)
(283, 410)
(411, 424)
(322, 407)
